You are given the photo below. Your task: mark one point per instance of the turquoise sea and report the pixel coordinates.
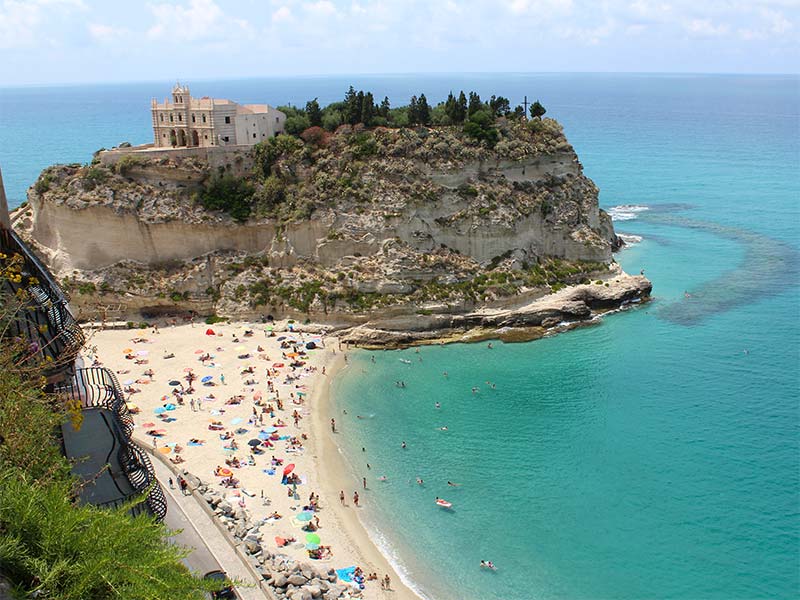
(653, 455)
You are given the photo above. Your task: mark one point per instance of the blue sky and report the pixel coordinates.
(65, 41)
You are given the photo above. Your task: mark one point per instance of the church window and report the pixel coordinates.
(162, 117)
(170, 118)
(254, 135)
(180, 117)
(227, 120)
(204, 118)
(193, 120)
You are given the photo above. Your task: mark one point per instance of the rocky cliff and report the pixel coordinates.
(340, 226)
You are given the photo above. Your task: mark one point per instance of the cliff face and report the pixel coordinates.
(339, 223)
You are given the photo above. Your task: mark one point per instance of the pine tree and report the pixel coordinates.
(384, 108)
(475, 103)
(352, 106)
(537, 110)
(461, 113)
(451, 108)
(413, 111)
(423, 110)
(314, 112)
(367, 109)
(500, 106)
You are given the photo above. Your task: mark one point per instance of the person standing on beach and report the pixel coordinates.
(355, 498)
(191, 403)
(171, 484)
(364, 482)
(333, 425)
(387, 583)
(341, 497)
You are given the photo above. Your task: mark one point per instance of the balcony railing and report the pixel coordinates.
(98, 388)
(43, 321)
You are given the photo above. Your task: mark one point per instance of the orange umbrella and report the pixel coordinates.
(288, 469)
(127, 350)
(165, 450)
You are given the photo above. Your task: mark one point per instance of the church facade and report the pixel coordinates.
(190, 122)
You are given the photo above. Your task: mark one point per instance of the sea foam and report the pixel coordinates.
(626, 212)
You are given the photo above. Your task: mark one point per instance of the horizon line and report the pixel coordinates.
(395, 74)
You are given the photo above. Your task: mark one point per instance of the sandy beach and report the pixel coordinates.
(239, 380)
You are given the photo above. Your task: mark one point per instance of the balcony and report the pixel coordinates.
(53, 336)
(113, 468)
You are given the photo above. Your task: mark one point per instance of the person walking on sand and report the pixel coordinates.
(191, 403)
(171, 484)
(333, 425)
(222, 378)
(387, 583)
(341, 497)
(355, 498)
(364, 482)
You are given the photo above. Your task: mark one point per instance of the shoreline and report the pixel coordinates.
(332, 469)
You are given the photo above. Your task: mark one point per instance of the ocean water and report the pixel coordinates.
(653, 455)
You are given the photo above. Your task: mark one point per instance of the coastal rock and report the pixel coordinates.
(279, 580)
(252, 547)
(297, 579)
(225, 507)
(314, 590)
(334, 592)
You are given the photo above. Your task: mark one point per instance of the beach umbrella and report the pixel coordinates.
(143, 353)
(305, 516)
(288, 469)
(258, 395)
(312, 546)
(160, 410)
(170, 406)
(199, 351)
(188, 370)
(165, 450)
(128, 382)
(313, 538)
(127, 350)
(174, 382)
(210, 332)
(206, 379)
(148, 424)
(311, 345)
(292, 354)
(254, 442)
(269, 430)
(283, 337)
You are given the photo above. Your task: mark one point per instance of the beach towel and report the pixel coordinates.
(346, 574)
(195, 444)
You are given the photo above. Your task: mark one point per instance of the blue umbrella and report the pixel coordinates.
(305, 516)
(312, 546)
(160, 410)
(170, 406)
(206, 379)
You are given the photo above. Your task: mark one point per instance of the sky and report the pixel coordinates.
(77, 41)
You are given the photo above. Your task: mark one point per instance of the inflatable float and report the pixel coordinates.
(443, 503)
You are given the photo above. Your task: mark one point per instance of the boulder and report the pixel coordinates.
(225, 507)
(252, 547)
(314, 590)
(279, 580)
(297, 579)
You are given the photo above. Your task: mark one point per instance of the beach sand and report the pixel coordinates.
(319, 464)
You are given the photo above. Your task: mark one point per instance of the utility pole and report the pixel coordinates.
(525, 105)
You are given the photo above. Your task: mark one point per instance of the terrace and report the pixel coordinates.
(113, 469)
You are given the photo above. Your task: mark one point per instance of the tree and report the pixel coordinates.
(384, 108)
(451, 108)
(297, 123)
(314, 113)
(537, 110)
(352, 113)
(423, 110)
(500, 106)
(413, 111)
(475, 104)
(480, 126)
(461, 108)
(367, 109)
(519, 112)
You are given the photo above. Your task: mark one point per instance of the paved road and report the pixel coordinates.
(210, 550)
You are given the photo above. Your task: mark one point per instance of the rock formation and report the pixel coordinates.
(343, 227)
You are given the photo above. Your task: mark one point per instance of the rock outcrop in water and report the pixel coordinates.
(347, 227)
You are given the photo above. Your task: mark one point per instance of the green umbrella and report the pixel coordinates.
(312, 538)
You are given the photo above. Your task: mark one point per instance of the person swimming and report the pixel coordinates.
(438, 405)
(419, 481)
(452, 484)
(443, 428)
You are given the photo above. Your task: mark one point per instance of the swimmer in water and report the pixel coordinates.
(445, 373)
(474, 390)
(403, 445)
(489, 345)
(443, 428)
(419, 481)
(382, 478)
(452, 484)
(438, 405)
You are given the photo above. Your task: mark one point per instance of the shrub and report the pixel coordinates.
(43, 183)
(85, 288)
(125, 163)
(229, 194)
(214, 319)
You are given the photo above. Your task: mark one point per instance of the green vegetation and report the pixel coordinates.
(127, 162)
(213, 319)
(43, 183)
(51, 546)
(230, 194)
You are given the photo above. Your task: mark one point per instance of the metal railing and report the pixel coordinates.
(97, 387)
(44, 320)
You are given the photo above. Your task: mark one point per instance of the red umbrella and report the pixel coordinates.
(199, 351)
(210, 332)
(288, 469)
(187, 370)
